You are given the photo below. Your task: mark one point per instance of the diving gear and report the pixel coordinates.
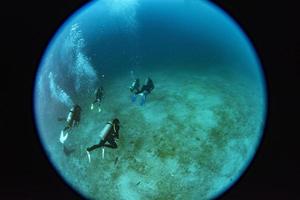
(134, 88)
(72, 120)
(108, 134)
(63, 137)
(89, 156)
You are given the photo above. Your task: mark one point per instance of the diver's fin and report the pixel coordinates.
(102, 153)
(63, 137)
(99, 109)
(89, 156)
(92, 106)
(133, 98)
(143, 100)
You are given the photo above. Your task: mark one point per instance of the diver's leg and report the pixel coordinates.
(66, 128)
(93, 147)
(89, 149)
(111, 144)
(72, 123)
(143, 99)
(99, 104)
(102, 142)
(92, 105)
(133, 98)
(96, 100)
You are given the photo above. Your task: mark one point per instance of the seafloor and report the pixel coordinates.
(195, 134)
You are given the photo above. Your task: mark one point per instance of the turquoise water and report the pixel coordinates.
(198, 130)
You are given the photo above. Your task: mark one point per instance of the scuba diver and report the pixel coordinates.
(99, 93)
(71, 121)
(145, 90)
(108, 135)
(135, 88)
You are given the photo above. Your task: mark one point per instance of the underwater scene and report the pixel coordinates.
(150, 99)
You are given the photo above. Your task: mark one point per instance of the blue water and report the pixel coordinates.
(188, 47)
(174, 33)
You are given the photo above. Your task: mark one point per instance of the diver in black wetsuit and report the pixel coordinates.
(99, 93)
(108, 135)
(146, 89)
(134, 89)
(72, 120)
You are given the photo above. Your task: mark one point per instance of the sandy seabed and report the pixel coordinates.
(191, 140)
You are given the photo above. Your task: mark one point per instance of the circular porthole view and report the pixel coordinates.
(150, 99)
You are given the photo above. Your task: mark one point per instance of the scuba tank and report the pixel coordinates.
(135, 85)
(106, 130)
(110, 126)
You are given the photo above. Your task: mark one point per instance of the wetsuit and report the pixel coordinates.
(109, 137)
(135, 86)
(73, 117)
(99, 95)
(148, 87)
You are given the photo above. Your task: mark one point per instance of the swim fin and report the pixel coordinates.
(133, 98)
(63, 137)
(143, 100)
(89, 156)
(102, 153)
